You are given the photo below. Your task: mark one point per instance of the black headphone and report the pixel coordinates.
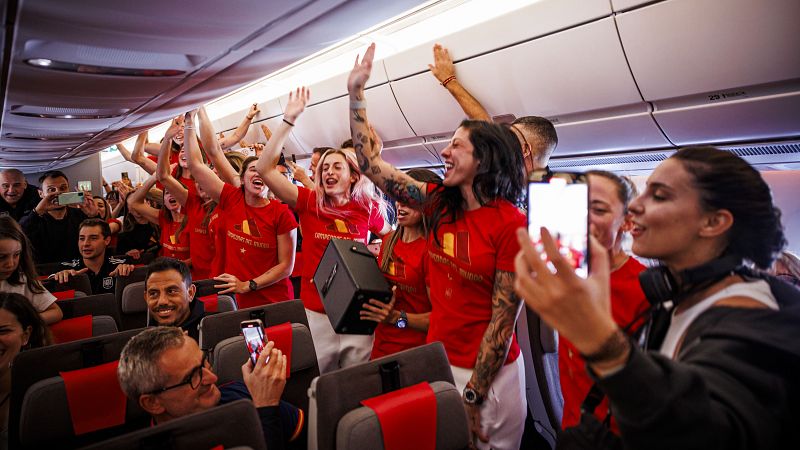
(660, 286)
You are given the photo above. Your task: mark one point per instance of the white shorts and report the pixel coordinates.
(504, 410)
(336, 351)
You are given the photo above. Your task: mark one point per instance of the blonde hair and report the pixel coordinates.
(362, 192)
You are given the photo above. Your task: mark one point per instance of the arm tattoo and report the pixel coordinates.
(496, 340)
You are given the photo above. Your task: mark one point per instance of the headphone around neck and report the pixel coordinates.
(659, 285)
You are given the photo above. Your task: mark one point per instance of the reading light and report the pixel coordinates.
(101, 70)
(41, 62)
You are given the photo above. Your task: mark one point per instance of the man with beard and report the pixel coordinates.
(169, 294)
(53, 228)
(17, 198)
(93, 239)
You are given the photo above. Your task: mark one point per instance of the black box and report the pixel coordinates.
(347, 277)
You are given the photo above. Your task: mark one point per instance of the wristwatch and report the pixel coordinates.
(253, 285)
(402, 321)
(471, 396)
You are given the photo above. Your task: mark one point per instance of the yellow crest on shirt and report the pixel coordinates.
(341, 227)
(449, 244)
(392, 270)
(172, 239)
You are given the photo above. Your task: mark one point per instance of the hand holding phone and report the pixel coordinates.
(70, 198)
(254, 338)
(560, 202)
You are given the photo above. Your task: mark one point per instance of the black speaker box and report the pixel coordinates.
(347, 277)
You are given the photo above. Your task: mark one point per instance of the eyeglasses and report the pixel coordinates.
(193, 379)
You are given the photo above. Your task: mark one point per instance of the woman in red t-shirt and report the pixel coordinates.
(403, 323)
(168, 218)
(260, 235)
(342, 205)
(609, 196)
(471, 253)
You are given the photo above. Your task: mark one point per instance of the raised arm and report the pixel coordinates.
(200, 171)
(136, 201)
(138, 156)
(445, 71)
(241, 130)
(212, 147)
(394, 182)
(268, 160)
(163, 170)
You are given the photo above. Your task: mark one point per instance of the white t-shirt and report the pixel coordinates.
(757, 290)
(40, 301)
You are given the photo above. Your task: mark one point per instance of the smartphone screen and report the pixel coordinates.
(254, 338)
(70, 198)
(85, 186)
(124, 175)
(560, 203)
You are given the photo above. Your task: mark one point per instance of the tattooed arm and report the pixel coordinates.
(495, 343)
(394, 182)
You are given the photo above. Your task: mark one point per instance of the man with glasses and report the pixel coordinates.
(537, 135)
(169, 376)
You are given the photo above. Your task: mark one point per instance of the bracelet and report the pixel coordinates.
(188, 127)
(288, 123)
(613, 347)
(250, 117)
(447, 80)
(358, 104)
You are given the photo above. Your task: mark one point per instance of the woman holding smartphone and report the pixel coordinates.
(471, 253)
(724, 373)
(341, 206)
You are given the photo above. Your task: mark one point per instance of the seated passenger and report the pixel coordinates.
(20, 328)
(169, 293)
(94, 237)
(53, 228)
(722, 372)
(17, 198)
(403, 321)
(18, 273)
(170, 377)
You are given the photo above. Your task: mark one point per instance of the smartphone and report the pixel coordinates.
(282, 160)
(70, 198)
(254, 337)
(124, 176)
(294, 160)
(559, 201)
(85, 186)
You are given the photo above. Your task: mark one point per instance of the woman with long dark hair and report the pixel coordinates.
(723, 348)
(471, 252)
(342, 205)
(18, 272)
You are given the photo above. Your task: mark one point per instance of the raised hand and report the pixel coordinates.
(267, 133)
(266, 379)
(296, 104)
(89, 207)
(361, 71)
(377, 311)
(253, 111)
(231, 284)
(174, 128)
(122, 270)
(442, 67)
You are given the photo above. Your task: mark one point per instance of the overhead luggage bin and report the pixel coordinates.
(706, 63)
(535, 20)
(624, 5)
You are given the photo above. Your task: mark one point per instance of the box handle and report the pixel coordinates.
(328, 282)
(355, 249)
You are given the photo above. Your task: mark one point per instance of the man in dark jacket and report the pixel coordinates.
(52, 227)
(169, 294)
(17, 198)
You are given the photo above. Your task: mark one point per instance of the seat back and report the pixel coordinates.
(46, 422)
(231, 353)
(360, 427)
(53, 267)
(132, 306)
(336, 393)
(226, 303)
(235, 424)
(79, 283)
(538, 344)
(217, 327)
(96, 305)
(32, 366)
(138, 275)
(102, 325)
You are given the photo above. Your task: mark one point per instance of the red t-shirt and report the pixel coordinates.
(462, 273)
(172, 246)
(627, 302)
(217, 227)
(319, 228)
(407, 273)
(202, 249)
(251, 244)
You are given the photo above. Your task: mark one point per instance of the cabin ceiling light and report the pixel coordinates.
(101, 70)
(64, 116)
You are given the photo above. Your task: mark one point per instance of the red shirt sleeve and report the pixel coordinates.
(285, 220)
(376, 221)
(227, 194)
(507, 246)
(304, 196)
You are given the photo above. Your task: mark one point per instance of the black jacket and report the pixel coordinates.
(30, 198)
(192, 323)
(54, 240)
(735, 384)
